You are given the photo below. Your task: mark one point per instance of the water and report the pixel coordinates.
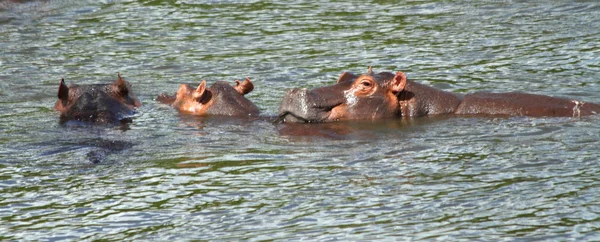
(170, 176)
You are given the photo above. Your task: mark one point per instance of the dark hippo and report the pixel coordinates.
(97, 103)
(387, 95)
(218, 99)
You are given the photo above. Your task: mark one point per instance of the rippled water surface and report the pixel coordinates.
(168, 176)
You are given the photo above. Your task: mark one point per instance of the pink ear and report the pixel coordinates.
(244, 87)
(63, 91)
(398, 83)
(346, 76)
(200, 91)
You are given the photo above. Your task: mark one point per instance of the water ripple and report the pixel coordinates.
(168, 176)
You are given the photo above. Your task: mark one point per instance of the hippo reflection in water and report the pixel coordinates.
(387, 95)
(97, 103)
(218, 99)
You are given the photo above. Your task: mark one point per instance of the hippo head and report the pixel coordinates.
(218, 99)
(368, 96)
(103, 103)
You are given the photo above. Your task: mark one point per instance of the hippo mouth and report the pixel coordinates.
(289, 117)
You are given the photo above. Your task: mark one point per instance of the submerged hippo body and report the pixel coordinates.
(388, 95)
(97, 103)
(219, 99)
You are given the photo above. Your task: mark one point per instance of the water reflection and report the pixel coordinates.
(353, 130)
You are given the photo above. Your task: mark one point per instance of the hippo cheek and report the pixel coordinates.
(362, 108)
(202, 109)
(344, 112)
(339, 113)
(191, 106)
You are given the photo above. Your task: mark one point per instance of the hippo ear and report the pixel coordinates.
(370, 71)
(398, 83)
(200, 92)
(63, 92)
(346, 76)
(121, 85)
(244, 87)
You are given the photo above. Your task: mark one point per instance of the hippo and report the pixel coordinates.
(386, 95)
(219, 99)
(97, 103)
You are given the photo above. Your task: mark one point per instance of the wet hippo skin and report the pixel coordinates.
(387, 95)
(97, 103)
(218, 99)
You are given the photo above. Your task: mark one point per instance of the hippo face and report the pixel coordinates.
(218, 99)
(97, 103)
(369, 96)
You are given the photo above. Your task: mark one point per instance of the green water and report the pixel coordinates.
(173, 177)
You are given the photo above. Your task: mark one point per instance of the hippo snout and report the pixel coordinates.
(302, 105)
(295, 100)
(293, 107)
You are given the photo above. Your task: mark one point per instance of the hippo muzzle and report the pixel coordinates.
(302, 105)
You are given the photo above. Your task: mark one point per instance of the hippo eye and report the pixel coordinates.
(366, 83)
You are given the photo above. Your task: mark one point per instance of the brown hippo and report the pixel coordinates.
(218, 99)
(388, 95)
(97, 103)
